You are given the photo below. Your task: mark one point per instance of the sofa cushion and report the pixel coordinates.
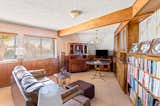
(19, 68)
(34, 88)
(27, 81)
(20, 71)
(32, 92)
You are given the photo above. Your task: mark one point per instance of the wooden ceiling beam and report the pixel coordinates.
(121, 26)
(112, 18)
(139, 8)
(139, 5)
(145, 6)
(136, 19)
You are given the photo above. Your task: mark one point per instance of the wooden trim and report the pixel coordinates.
(136, 19)
(139, 5)
(155, 58)
(38, 36)
(112, 18)
(9, 33)
(148, 6)
(140, 18)
(141, 10)
(121, 26)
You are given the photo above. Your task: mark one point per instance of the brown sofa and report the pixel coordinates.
(24, 96)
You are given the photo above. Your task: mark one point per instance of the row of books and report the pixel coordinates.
(148, 66)
(146, 97)
(149, 82)
(139, 95)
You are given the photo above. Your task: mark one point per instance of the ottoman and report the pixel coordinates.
(87, 88)
(83, 100)
(72, 102)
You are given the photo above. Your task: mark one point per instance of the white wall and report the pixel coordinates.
(105, 34)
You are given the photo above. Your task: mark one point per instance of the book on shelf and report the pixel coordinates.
(139, 102)
(144, 79)
(148, 66)
(133, 96)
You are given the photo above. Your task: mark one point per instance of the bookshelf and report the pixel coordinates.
(136, 30)
(142, 74)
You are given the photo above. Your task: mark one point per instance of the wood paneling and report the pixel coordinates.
(112, 18)
(121, 74)
(133, 32)
(5, 72)
(50, 65)
(121, 57)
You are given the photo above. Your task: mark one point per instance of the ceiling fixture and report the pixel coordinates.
(75, 13)
(97, 40)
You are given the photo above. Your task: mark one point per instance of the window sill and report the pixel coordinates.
(9, 61)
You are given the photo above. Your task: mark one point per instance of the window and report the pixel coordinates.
(7, 47)
(48, 48)
(37, 48)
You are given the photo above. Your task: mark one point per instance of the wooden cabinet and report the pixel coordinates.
(76, 60)
(78, 65)
(76, 48)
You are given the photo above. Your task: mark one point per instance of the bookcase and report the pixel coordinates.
(138, 74)
(143, 79)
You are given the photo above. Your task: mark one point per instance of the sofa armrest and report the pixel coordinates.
(38, 73)
(70, 93)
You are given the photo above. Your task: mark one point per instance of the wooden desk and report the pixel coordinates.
(105, 67)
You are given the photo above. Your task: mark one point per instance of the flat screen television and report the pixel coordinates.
(101, 53)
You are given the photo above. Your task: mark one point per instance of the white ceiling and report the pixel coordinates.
(54, 14)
